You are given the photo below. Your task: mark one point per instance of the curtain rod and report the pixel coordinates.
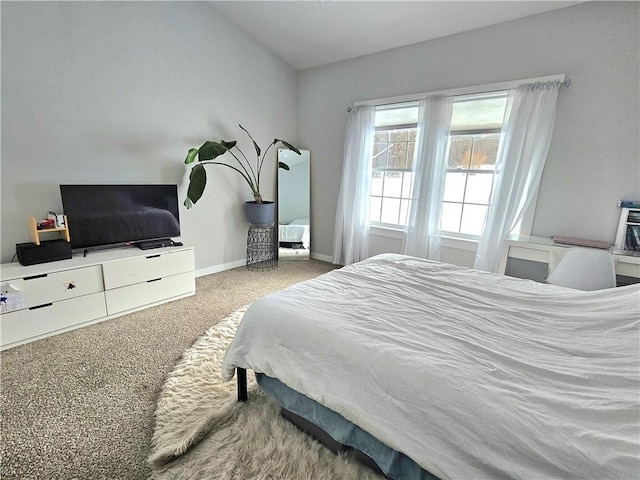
(409, 98)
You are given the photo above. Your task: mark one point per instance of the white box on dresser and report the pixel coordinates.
(60, 296)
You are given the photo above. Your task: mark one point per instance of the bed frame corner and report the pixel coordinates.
(241, 374)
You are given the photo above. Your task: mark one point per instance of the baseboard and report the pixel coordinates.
(220, 268)
(324, 258)
(241, 263)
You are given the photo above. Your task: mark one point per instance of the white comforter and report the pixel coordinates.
(471, 374)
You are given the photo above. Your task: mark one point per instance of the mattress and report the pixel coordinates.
(298, 231)
(468, 373)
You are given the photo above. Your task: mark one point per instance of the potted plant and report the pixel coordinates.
(259, 211)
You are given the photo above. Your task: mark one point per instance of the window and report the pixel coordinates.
(473, 145)
(468, 182)
(392, 176)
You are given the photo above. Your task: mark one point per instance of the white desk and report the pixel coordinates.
(541, 249)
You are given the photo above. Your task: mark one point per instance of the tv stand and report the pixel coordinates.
(157, 243)
(67, 294)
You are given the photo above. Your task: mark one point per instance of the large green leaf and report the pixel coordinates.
(197, 182)
(228, 145)
(210, 150)
(288, 145)
(255, 145)
(191, 155)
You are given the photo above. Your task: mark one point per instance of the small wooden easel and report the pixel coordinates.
(35, 233)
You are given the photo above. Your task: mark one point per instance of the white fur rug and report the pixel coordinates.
(203, 432)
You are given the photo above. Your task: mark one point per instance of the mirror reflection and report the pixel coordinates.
(294, 227)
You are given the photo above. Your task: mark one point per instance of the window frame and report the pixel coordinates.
(453, 133)
(467, 171)
(397, 226)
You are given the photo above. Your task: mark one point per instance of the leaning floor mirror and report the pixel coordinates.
(294, 227)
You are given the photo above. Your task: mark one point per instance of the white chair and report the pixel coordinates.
(584, 269)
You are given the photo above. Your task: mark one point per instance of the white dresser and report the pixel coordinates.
(67, 294)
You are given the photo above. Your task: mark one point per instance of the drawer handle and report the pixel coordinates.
(44, 275)
(153, 256)
(154, 280)
(41, 306)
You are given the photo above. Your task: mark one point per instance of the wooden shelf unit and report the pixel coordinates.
(628, 230)
(35, 233)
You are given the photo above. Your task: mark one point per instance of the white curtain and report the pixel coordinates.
(422, 237)
(351, 238)
(526, 136)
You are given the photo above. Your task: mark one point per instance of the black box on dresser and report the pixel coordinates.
(48, 251)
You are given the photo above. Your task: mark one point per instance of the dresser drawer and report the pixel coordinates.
(24, 324)
(56, 286)
(141, 269)
(141, 294)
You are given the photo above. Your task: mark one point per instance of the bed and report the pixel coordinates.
(468, 374)
(295, 234)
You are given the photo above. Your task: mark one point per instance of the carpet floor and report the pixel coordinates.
(80, 405)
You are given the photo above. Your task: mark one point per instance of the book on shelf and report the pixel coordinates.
(629, 203)
(633, 238)
(633, 217)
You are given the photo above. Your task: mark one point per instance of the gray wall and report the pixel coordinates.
(595, 155)
(117, 92)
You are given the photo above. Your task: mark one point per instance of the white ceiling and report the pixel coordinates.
(317, 32)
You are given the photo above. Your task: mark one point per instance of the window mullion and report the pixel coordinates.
(384, 178)
(466, 181)
(401, 191)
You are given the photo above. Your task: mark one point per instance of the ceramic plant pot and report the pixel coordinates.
(260, 214)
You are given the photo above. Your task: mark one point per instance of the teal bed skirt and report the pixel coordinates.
(393, 464)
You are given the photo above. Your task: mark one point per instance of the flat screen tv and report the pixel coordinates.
(101, 216)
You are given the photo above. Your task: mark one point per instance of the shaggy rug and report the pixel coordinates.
(203, 432)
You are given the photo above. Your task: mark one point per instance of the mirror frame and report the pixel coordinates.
(290, 158)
